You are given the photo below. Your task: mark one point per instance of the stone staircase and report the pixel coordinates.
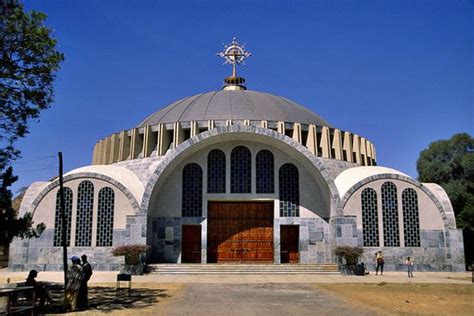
(176, 269)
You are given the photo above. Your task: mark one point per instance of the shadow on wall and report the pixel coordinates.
(104, 299)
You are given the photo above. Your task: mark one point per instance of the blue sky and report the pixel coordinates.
(399, 73)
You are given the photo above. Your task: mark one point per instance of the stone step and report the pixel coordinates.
(243, 269)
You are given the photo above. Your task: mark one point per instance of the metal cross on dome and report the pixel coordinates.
(234, 54)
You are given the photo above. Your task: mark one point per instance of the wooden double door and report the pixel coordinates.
(240, 232)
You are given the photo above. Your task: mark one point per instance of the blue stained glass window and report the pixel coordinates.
(265, 172)
(288, 180)
(192, 191)
(241, 170)
(216, 171)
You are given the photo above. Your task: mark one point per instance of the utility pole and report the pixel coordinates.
(63, 215)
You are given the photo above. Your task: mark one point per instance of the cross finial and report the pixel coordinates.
(234, 54)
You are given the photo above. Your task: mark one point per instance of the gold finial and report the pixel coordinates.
(234, 54)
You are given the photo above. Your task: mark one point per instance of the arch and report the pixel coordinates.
(216, 171)
(289, 194)
(314, 164)
(240, 170)
(192, 191)
(84, 175)
(85, 207)
(370, 219)
(434, 191)
(391, 233)
(265, 173)
(105, 217)
(411, 218)
(58, 219)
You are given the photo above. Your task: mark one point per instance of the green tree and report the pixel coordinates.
(450, 163)
(29, 61)
(12, 226)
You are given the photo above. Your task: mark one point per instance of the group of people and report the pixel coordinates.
(76, 283)
(379, 259)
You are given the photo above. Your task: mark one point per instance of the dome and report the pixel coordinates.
(234, 105)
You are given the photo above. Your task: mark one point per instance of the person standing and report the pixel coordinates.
(83, 292)
(380, 262)
(409, 264)
(73, 284)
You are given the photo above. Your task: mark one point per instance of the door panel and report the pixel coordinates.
(239, 231)
(289, 243)
(191, 244)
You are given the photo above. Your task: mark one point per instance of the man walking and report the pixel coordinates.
(83, 292)
(380, 262)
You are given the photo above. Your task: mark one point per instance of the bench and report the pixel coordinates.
(20, 299)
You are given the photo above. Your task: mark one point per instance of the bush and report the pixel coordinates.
(132, 250)
(351, 254)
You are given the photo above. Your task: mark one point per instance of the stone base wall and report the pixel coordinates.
(39, 254)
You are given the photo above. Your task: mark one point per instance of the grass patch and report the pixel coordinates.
(408, 298)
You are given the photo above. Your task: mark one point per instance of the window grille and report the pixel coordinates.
(192, 191)
(58, 220)
(105, 217)
(288, 179)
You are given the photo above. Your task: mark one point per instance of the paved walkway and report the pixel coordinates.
(389, 277)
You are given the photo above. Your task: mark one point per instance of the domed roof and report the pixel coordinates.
(234, 105)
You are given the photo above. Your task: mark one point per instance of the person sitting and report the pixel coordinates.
(40, 291)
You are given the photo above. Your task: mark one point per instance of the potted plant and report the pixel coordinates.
(349, 255)
(134, 258)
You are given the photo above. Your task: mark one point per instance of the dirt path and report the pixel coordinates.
(259, 299)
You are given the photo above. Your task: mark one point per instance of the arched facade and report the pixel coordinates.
(268, 181)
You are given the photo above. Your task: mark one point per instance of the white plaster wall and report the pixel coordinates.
(429, 215)
(45, 211)
(166, 200)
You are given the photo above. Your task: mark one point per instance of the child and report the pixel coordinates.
(409, 264)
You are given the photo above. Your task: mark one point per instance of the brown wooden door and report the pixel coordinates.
(290, 243)
(191, 244)
(240, 231)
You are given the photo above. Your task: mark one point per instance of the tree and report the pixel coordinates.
(450, 163)
(11, 225)
(29, 61)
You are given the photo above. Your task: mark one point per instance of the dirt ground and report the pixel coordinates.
(359, 299)
(145, 299)
(395, 299)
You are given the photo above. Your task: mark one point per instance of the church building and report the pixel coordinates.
(239, 176)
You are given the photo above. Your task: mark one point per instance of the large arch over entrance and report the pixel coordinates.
(221, 134)
(174, 234)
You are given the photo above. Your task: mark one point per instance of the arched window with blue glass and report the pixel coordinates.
(191, 205)
(216, 171)
(288, 180)
(265, 178)
(241, 170)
